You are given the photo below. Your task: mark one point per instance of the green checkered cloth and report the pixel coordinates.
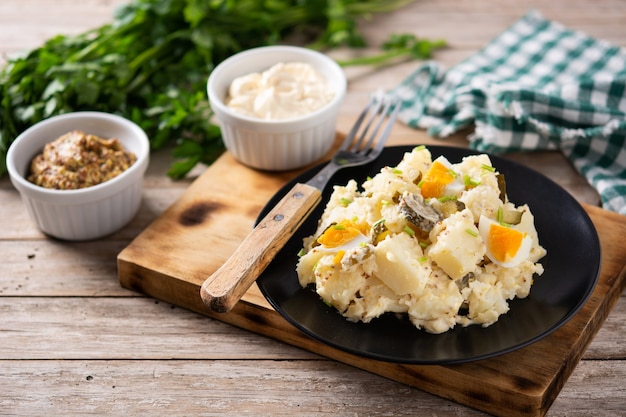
(538, 85)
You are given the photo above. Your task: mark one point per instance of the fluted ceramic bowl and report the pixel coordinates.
(86, 213)
(276, 145)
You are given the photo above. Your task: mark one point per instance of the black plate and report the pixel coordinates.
(571, 265)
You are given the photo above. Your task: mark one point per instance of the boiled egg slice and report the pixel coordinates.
(343, 236)
(440, 180)
(506, 246)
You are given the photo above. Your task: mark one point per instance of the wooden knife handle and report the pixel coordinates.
(221, 291)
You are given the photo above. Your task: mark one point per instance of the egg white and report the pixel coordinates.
(522, 253)
(457, 186)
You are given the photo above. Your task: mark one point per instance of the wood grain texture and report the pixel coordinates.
(522, 383)
(74, 342)
(271, 388)
(225, 287)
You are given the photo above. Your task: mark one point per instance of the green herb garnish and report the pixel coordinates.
(469, 182)
(488, 168)
(151, 64)
(397, 48)
(378, 222)
(447, 198)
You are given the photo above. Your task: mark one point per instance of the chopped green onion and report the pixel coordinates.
(409, 231)
(472, 232)
(419, 184)
(355, 219)
(419, 148)
(500, 218)
(301, 253)
(424, 245)
(396, 171)
(423, 259)
(378, 222)
(345, 201)
(452, 173)
(339, 227)
(385, 202)
(469, 182)
(363, 244)
(447, 198)
(488, 168)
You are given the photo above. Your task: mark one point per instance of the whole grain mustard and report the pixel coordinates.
(79, 160)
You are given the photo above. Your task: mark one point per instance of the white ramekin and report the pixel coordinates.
(276, 145)
(86, 213)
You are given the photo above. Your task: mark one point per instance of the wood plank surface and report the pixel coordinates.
(74, 342)
(287, 388)
(168, 261)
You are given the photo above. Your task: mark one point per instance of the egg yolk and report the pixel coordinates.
(341, 233)
(504, 242)
(434, 183)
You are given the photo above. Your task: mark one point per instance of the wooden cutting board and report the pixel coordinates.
(171, 259)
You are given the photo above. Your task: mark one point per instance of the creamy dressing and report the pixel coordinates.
(284, 91)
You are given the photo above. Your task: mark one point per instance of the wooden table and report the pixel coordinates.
(74, 342)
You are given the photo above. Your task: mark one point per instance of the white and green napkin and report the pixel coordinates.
(538, 85)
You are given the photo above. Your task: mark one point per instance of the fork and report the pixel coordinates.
(225, 287)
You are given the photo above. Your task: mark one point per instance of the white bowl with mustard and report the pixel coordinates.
(80, 175)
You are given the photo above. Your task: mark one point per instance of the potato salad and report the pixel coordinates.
(436, 240)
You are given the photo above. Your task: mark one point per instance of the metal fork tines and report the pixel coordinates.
(363, 143)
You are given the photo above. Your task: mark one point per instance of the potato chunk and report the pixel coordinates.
(457, 247)
(398, 266)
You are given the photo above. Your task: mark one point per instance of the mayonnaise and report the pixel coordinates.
(285, 91)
